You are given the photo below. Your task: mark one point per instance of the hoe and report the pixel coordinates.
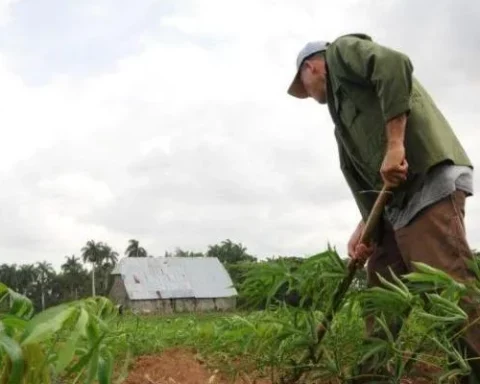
(353, 265)
(339, 294)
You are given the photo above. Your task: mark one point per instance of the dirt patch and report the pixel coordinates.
(178, 366)
(172, 366)
(183, 366)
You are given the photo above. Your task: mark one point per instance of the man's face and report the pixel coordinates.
(313, 77)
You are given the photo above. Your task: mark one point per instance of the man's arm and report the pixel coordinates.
(395, 167)
(395, 131)
(389, 72)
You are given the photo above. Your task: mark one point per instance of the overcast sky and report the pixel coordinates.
(169, 122)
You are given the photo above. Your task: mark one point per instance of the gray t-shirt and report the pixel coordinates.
(440, 182)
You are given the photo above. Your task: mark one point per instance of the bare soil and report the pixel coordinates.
(179, 366)
(183, 366)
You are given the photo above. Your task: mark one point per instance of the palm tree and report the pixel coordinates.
(229, 252)
(27, 275)
(72, 270)
(109, 256)
(72, 265)
(108, 261)
(181, 253)
(45, 273)
(134, 249)
(9, 276)
(92, 253)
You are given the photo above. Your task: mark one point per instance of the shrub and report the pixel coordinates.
(70, 340)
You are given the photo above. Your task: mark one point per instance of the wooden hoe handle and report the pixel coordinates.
(354, 264)
(315, 354)
(372, 222)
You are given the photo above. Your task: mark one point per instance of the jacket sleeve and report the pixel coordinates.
(365, 62)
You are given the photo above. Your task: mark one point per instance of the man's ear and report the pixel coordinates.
(305, 65)
(310, 64)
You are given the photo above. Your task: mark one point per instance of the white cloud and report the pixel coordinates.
(76, 186)
(190, 140)
(5, 11)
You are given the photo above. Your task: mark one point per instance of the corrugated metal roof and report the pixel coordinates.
(148, 278)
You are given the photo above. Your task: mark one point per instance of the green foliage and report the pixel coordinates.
(305, 282)
(182, 253)
(46, 287)
(417, 319)
(229, 252)
(69, 341)
(135, 250)
(417, 323)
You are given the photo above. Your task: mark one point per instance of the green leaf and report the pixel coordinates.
(20, 305)
(83, 361)
(378, 299)
(432, 275)
(3, 292)
(427, 269)
(446, 319)
(37, 370)
(12, 322)
(46, 323)
(446, 305)
(376, 346)
(93, 366)
(273, 290)
(105, 368)
(423, 278)
(383, 323)
(14, 352)
(404, 293)
(398, 280)
(67, 353)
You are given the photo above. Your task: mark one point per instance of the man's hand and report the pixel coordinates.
(363, 252)
(394, 167)
(356, 249)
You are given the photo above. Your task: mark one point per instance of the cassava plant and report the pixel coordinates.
(311, 283)
(428, 297)
(418, 320)
(65, 343)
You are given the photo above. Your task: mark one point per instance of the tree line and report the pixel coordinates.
(47, 287)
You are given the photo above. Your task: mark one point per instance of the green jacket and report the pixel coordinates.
(368, 84)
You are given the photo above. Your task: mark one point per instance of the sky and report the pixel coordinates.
(169, 122)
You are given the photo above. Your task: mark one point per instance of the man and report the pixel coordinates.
(390, 132)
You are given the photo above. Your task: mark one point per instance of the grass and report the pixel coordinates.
(218, 338)
(261, 341)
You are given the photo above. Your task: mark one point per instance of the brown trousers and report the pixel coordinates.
(435, 237)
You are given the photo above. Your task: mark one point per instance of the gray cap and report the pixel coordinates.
(296, 88)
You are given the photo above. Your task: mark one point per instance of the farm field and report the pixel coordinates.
(279, 343)
(274, 339)
(234, 348)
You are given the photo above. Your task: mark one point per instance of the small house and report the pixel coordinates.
(172, 284)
